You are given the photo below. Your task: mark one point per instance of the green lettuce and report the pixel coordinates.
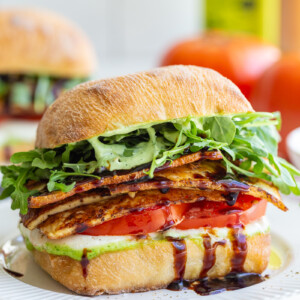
(40, 91)
(247, 141)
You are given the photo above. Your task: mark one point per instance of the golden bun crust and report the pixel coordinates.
(40, 42)
(148, 267)
(162, 94)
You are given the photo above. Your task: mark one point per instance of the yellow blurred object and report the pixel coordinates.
(257, 17)
(290, 31)
(275, 261)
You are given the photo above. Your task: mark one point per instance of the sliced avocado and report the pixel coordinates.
(76, 254)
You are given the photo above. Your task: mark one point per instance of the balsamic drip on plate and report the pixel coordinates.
(13, 273)
(230, 282)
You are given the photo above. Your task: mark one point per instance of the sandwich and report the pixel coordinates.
(41, 55)
(158, 179)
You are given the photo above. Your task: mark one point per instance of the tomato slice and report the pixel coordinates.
(184, 216)
(211, 214)
(143, 222)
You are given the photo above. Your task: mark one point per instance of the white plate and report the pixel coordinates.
(284, 283)
(293, 146)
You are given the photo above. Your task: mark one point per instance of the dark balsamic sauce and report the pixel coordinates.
(230, 282)
(198, 176)
(164, 190)
(84, 263)
(137, 180)
(208, 286)
(81, 228)
(168, 224)
(180, 256)
(231, 198)
(209, 258)
(13, 273)
(234, 186)
(239, 244)
(141, 236)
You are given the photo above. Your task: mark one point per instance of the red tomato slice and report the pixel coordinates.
(146, 221)
(211, 214)
(189, 216)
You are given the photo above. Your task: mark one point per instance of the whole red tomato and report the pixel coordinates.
(238, 57)
(279, 90)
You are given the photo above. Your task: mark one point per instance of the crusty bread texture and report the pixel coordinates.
(101, 106)
(40, 42)
(148, 267)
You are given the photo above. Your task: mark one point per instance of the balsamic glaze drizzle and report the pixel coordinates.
(239, 245)
(230, 282)
(209, 258)
(180, 256)
(84, 263)
(231, 198)
(164, 190)
(13, 273)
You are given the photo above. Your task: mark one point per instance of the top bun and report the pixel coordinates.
(98, 107)
(40, 42)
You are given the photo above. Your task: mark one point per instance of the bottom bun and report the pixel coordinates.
(148, 267)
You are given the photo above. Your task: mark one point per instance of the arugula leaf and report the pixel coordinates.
(57, 177)
(20, 157)
(222, 129)
(16, 186)
(52, 186)
(47, 160)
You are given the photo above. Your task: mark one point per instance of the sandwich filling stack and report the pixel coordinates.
(152, 180)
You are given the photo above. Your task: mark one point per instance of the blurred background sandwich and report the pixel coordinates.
(42, 54)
